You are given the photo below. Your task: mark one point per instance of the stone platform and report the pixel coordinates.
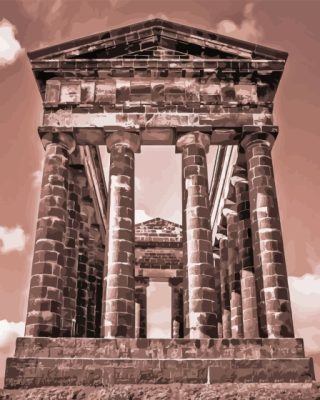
(99, 362)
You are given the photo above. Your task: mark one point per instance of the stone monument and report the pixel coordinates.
(158, 83)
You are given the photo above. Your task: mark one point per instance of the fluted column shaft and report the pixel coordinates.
(46, 287)
(266, 231)
(119, 318)
(200, 313)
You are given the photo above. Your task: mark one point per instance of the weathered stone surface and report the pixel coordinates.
(31, 372)
(159, 348)
(225, 288)
(201, 318)
(141, 301)
(245, 249)
(272, 282)
(46, 286)
(234, 275)
(119, 304)
(240, 391)
(69, 272)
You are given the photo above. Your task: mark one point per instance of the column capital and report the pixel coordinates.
(175, 281)
(258, 134)
(64, 139)
(126, 138)
(142, 281)
(189, 138)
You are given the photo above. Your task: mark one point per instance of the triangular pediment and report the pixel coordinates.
(158, 39)
(158, 230)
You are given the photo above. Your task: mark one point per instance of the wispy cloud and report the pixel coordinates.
(9, 331)
(12, 239)
(248, 28)
(36, 178)
(305, 301)
(141, 216)
(9, 46)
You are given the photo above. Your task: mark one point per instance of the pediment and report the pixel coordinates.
(157, 224)
(156, 39)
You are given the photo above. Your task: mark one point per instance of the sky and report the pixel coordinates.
(291, 26)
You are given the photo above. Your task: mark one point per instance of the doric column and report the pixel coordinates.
(69, 273)
(120, 305)
(141, 285)
(216, 262)
(266, 233)
(45, 297)
(94, 236)
(86, 214)
(234, 273)
(200, 313)
(100, 257)
(225, 287)
(245, 254)
(176, 285)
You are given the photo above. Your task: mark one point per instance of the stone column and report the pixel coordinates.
(216, 262)
(200, 312)
(45, 297)
(83, 264)
(94, 236)
(234, 274)
(69, 275)
(100, 257)
(266, 233)
(141, 285)
(245, 252)
(176, 285)
(225, 287)
(120, 305)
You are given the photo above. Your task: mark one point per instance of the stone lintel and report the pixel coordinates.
(158, 273)
(157, 135)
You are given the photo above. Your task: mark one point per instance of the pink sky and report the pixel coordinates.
(292, 26)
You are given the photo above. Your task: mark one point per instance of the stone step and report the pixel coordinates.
(37, 372)
(159, 348)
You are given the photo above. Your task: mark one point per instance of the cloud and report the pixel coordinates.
(246, 30)
(305, 301)
(9, 331)
(12, 239)
(36, 178)
(141, 216)
(9, 47)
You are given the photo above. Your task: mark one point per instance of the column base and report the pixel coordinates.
(42, 362)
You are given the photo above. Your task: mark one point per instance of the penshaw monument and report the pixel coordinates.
(165, 84)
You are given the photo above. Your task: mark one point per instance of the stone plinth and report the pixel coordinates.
(98, 362)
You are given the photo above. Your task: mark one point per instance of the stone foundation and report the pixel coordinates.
(100, 362)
